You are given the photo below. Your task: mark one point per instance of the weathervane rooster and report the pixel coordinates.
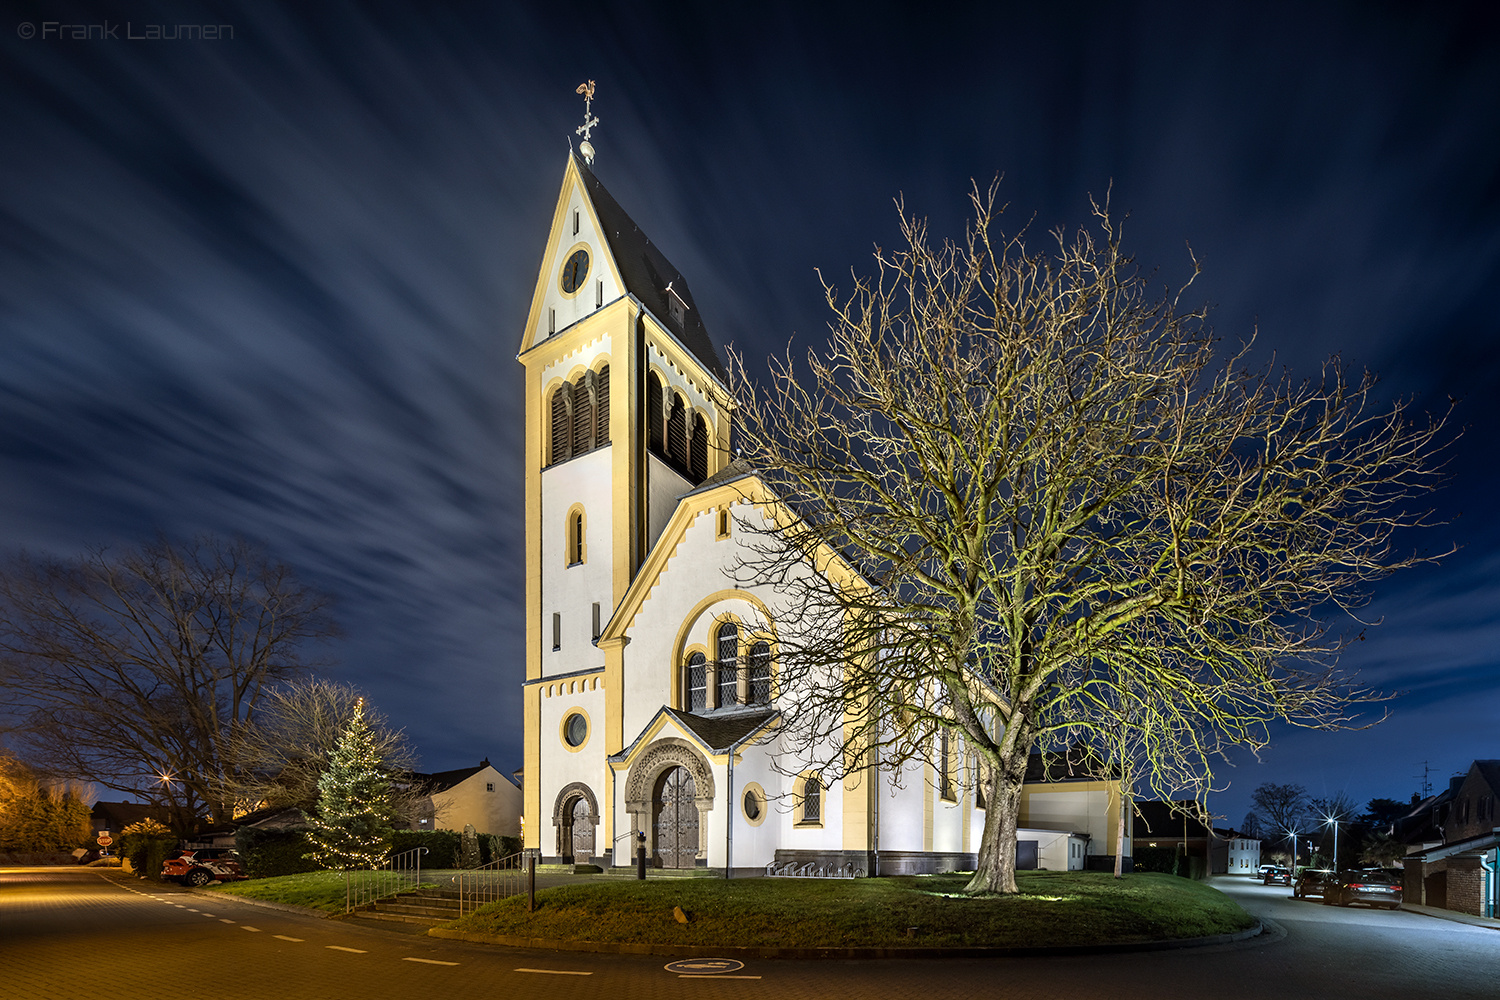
(589, 121)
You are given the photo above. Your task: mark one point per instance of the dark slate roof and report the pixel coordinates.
(441, 781)
(1165, 819)
(647, 273)
(721, 732)
(737, 468)
(1080, 763)
(1489, 770)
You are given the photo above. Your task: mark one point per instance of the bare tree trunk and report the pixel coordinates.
(995, 870)
(1125, 803)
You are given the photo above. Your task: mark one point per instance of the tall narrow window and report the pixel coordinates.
(979, 793)
(575, 222)
(583, 414)
(677, 433)
(812, 800)
(729, 664)
(596, 619)
(945, 767)
(760, 674)
(560, 425)
(601, 406)
(599, 293)
(698, 461)
(556, 630)
(653, 413)
(697, 683)
(575, 539)
(551, 320)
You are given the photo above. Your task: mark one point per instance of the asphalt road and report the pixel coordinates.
(75, 933)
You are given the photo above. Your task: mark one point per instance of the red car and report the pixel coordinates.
(195, 868)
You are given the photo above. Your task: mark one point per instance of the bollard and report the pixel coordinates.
(640, 855)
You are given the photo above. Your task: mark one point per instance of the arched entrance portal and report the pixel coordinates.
(675, 819)
(575, 814)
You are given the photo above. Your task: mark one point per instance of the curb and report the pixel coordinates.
(692, 951)
(306, 911)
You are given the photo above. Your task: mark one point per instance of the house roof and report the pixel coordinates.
(648, 274)
(116, 816)
(721, 732)
(441, 781)
(1166, 820)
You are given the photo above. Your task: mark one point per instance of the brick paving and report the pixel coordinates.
(75, 933)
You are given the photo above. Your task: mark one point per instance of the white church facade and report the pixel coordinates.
(651, 686)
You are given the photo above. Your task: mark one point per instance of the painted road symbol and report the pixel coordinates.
(704, 966)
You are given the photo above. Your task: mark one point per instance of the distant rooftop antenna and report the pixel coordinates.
(589, 121)
(1426, 784)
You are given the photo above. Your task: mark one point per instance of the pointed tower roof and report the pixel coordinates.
(648, 275)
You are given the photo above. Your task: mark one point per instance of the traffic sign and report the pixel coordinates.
(704, 966)
(104, 840)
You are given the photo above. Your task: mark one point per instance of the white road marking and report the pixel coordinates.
(225, 920)
(192, 909)
(711, 976)
(556, 972)
(249, 928)
(427, 961)
(283, 937)
(339, 947)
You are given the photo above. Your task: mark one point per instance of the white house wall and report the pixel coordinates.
(562, 765)
(663, 487)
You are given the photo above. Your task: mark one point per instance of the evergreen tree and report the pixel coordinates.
(353, 827)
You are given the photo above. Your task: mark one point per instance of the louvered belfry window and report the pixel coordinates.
(601, 407)
(677, 434)
(560, 422)
(697, 683)
(583, 414)
(699, 459)
(653, 413)
(729, 664)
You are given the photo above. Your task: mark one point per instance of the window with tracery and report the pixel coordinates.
(729, 664)
(760, 674)
(697, 683)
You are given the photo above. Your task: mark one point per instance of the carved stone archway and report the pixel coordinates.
(657, 759)
(565, 816)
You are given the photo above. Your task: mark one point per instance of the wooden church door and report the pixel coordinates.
(676, 820)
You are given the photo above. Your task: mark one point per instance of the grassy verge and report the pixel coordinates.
(315, 890)
(1053, 908)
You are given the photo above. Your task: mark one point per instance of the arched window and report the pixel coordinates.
(760, 674)
(653, 413)
(699, 459)
(812, 801)
(677, 433)
(601, 407)
(945, 764)
(562, 401)
(575, 538)
(729, 664)
(697, 683)
(583, 414)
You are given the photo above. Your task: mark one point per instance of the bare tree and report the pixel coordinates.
(1024, 481)
(276, 756)
(131, 668)
(1281, 807)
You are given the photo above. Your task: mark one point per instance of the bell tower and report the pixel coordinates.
(626, 410)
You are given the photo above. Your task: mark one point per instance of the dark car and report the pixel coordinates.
(1277, 876)
(1373, 888)
(1312, 882)
(200, 867)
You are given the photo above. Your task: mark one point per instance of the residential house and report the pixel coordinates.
(1458, 870)
(479, 796)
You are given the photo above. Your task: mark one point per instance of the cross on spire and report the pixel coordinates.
(589, 121)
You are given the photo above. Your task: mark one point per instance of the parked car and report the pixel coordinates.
(1371, 887)
(1312, 882)
(203, 866)
(1277, 875)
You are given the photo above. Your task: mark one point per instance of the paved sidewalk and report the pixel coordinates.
(1453, 915)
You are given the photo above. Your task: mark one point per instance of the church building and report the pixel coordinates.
(651, 687)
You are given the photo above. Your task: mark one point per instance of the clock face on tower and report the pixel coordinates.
(574, 270)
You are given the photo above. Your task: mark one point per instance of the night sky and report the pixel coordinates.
(274, 284)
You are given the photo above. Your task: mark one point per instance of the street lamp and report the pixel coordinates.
(1333, 821)
(1292, 836)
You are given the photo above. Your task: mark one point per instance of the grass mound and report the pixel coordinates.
(1052, 909)
(315, 890)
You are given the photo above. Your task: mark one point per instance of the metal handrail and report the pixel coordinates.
(399, 873)
(501, 878)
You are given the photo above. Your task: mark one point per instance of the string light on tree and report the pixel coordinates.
(353, 828)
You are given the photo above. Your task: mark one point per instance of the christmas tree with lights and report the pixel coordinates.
(353, 828)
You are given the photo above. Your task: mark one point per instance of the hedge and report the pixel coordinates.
(264, 853)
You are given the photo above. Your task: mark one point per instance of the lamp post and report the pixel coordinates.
(1292, 836)
(1333, 821)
